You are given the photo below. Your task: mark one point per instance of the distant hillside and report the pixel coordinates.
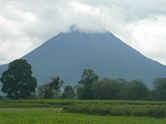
(67, 54)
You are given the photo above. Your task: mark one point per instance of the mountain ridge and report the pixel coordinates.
(67, 54)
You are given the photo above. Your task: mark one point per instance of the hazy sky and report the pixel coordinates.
(25, 24)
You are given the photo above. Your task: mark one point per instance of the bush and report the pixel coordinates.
(116, 110)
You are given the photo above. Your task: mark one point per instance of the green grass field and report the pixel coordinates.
(52, 112)
(56, 116)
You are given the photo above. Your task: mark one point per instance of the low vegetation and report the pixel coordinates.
(118, 110)
(81, 112)
(94, 107)
(120, 98)
(18, 83)
(54, 116)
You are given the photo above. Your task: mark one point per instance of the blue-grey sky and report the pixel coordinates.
(26, 24)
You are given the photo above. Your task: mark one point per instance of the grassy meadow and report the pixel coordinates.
(81, 112)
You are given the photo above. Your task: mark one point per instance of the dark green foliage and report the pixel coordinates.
(160, 88)
(51, 89)
(117, 110)
(45, 92)
(85, 84)
(137, 90)
(123, 88)
(110, 89)
(68, 93)
(17, 81)
(88, 77)
(105, 89)
(114, 90)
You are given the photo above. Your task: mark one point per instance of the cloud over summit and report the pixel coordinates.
(27, 24)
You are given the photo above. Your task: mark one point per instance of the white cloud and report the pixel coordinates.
(26, 24)
(149, 37)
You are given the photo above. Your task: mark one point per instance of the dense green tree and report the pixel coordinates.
(79, 92)
(51, 89)
(160, 88)
(103, 89)
(88, 77)
(110, 89)
(115, 89)
(17, 81)
(85, 92)
(123, 88)
(137, 90)
(68, 93)
(45, 92)
(84, 89)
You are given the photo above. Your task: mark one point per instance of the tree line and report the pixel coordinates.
(18, 83)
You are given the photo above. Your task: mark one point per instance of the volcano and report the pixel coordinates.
(68, 54)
